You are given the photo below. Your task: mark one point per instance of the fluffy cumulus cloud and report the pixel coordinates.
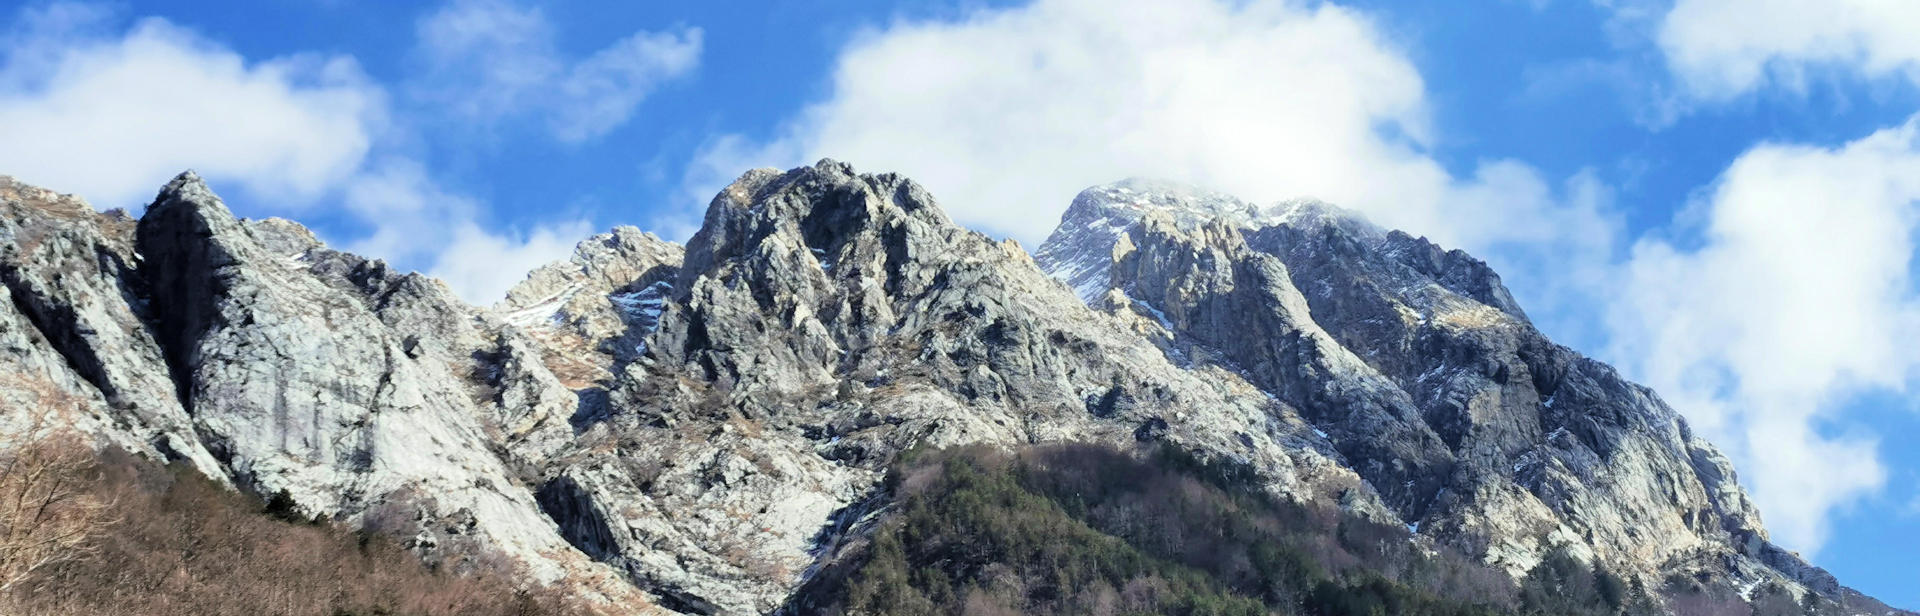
(1006, 114)
(491, 59)
(1719, 49)
(476, 259)
(1799, 295)
(113, 117)
(416, 220)
(111, 112)
(1794, 297)
(1790, 299)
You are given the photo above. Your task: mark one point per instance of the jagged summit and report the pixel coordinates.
(598, 305)
(185, 185)
(1188, 205)
(1140, 195)
(1419, 365)
(1313, 215)
(1077, 249)
(711, 425)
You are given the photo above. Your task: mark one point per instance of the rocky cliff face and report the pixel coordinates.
(296, 385)
(77, 326)
(250, 351)
(705, 425)
(1410, 355)
(822, 323)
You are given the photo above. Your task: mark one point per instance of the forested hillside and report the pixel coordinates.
(1085, 529)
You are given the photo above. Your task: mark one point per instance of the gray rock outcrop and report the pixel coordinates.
(300, 388)
(1406, 353)
(704, 425)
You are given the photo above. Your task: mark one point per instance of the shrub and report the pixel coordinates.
(183, 545)
(1093, 530)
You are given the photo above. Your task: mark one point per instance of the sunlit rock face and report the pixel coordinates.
(702, 426)
(1426, 375)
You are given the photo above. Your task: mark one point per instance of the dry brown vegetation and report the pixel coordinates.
(177, 543)
(48, 514)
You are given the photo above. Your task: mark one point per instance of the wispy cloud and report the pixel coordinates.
(1720, 49)
(110, 112)
(1006, 114)
(1799, 296)
(1677, 57)
(415, 220)
(482, 265)
(113, 115)
(487, 60)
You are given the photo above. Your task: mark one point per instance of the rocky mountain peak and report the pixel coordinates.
(187, 186)
(600, 304)
(1313, 215)
(829, 252)
(709, 425)
(1132, 198)
(1425, 374)
(185, 237)
(1078, 249)
(334, 380)
(819, 208)
(76, 324)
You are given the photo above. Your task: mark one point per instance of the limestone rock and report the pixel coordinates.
(825, 321)
(1541, 447)
(78, 321)
(298, 387)
(705, 425)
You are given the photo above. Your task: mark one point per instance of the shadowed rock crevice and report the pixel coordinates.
(1543, 447)
(699, 428)
(182, 263)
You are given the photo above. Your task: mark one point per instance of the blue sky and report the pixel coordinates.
(1718, 196)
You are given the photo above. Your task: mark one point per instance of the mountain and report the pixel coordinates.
(735, 426)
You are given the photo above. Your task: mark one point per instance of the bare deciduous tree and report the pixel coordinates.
(48, 513)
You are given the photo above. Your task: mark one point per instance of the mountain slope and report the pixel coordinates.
(825, 321)
(266, 361)
(712, 426)
(1549, 447)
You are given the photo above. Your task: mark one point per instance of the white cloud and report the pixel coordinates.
(114, 117)
(1720, 49)
(1800, 296)
(1796, 300)
(482, 265)
(1006, 114)
(110, 115)
(409, 212)
(415, 220)
(491, 59)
